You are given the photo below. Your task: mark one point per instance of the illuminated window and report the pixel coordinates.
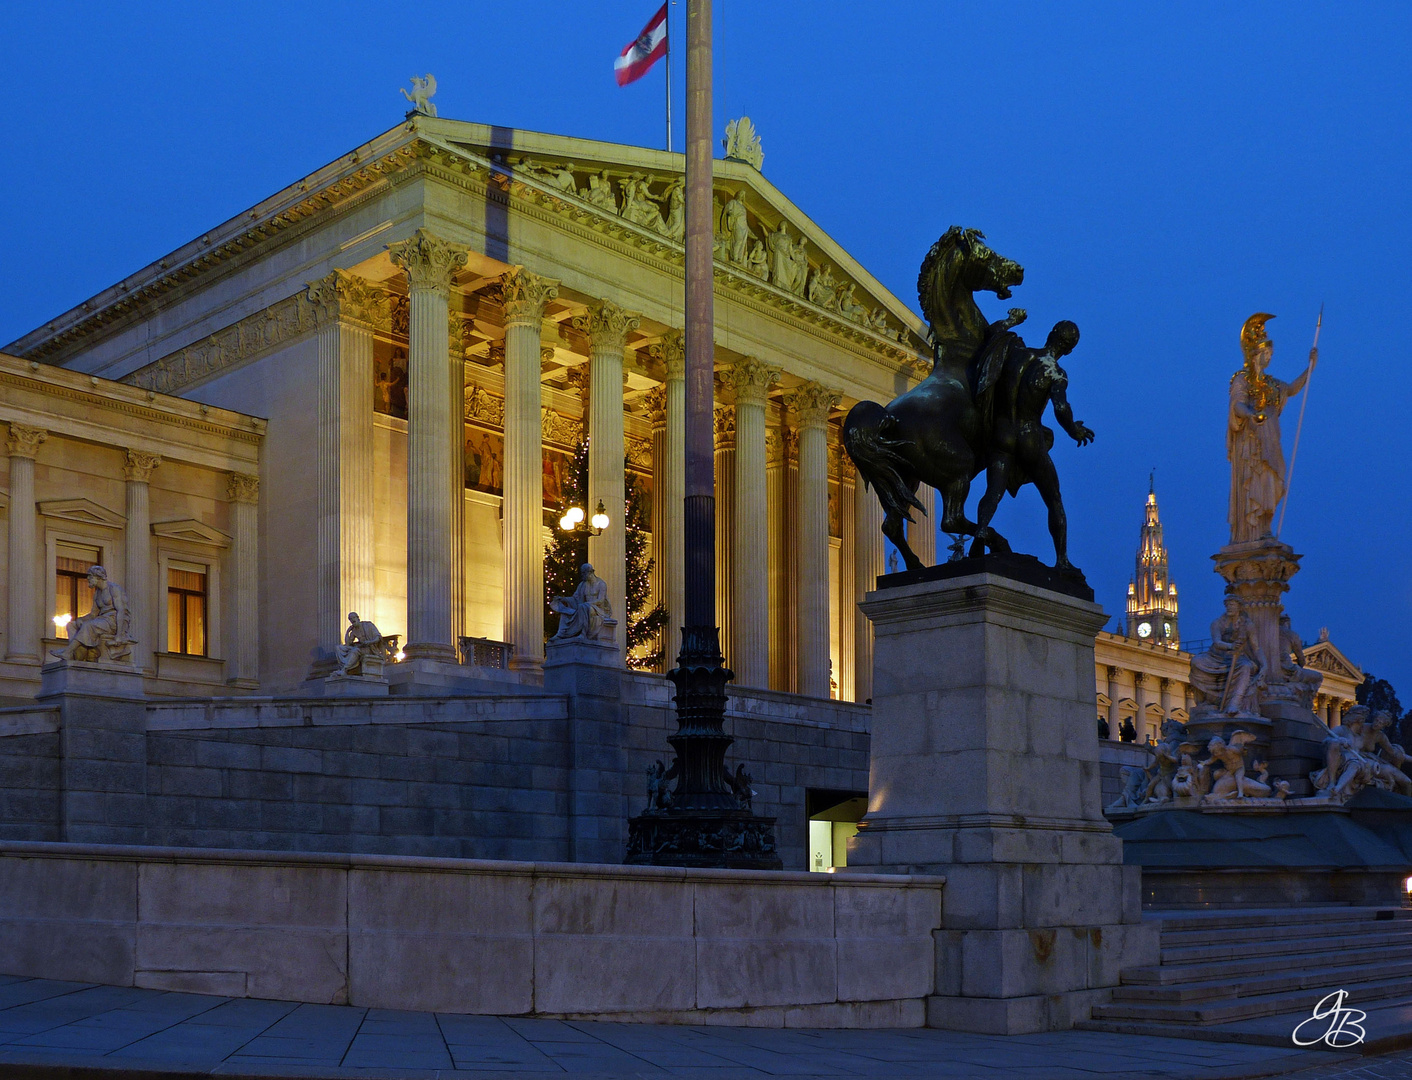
(833, 818)
(186, 609)
(72, 595)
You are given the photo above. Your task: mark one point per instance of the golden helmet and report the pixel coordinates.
(1252, 334)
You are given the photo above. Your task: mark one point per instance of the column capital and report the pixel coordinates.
(671, 351)
(725, 427)
(345, 297)
(429, 261)
(607, 324)
(751, 378)
(1113, 673)
(24, 441)
(546, 355)
(523, 295)
(656, 402)
(241, 488)
(139, 465)
(811, 403)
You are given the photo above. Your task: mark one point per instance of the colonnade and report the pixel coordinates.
(772, 476)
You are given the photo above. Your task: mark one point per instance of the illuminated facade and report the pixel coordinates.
(1152, 597)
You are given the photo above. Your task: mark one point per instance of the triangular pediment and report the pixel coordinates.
(83, 511)
(192, 531)
(1325, 656)
(633, 193)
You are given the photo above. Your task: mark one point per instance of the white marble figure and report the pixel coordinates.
(743, 144)
(823, 289)
(1253, 434)
(1358, 754)
(105, 631)
(759, 262)
(1134, 783)
(362, 641)
(849, 308)
(583, 615)
(784, 265)
(1225, 678)
(1306, 680)
(556, 175)
(675, 226)
(736, 229)
(600, 192)
(639, 206)
(421, 95)
(1228, 772)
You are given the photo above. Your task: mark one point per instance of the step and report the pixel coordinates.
(1341, 952)
(1304, 941)
(1244, 1008)
(1297, 978)
(1221, 919)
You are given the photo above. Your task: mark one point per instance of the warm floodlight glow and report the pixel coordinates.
(400, 656)
(566, 523)
(600, 517)
(1408, 886)
(61, 621)
(575, 515)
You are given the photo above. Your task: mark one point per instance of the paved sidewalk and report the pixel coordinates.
(54, 1029)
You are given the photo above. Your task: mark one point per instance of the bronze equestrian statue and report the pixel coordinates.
(979, 409)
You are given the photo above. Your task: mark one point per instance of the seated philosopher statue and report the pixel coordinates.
(361, 641)
(1225, 678)
(583, 615)
(106, 628)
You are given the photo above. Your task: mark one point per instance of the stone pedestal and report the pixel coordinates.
(985, 768)
(589, 674)
(342, 686)
(103, 747)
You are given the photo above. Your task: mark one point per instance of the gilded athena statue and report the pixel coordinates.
(1253, 434)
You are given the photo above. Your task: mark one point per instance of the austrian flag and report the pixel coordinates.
(649, 47)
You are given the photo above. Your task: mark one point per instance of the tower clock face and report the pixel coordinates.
(1144, 629)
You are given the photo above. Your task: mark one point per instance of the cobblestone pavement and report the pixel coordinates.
(54, 1029)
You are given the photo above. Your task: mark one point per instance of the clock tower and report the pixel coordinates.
(1152, 598)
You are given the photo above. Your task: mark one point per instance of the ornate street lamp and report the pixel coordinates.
(572, 521)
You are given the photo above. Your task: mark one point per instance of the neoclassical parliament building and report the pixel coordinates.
(363, 393)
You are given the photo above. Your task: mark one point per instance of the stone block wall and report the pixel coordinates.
(29, 774)
(504, 777)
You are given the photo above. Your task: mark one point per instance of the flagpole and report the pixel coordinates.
(669, 76)
(1299, 428)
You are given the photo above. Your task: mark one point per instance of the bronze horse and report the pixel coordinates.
(934, 434)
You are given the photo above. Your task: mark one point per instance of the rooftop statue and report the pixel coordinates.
(1253, 433)
(743, 144)
(421, 95)
(105, 631)
(979, 409)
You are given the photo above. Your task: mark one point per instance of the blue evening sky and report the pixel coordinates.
(1160, 170)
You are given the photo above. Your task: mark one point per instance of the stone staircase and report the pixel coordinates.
(1250, 976)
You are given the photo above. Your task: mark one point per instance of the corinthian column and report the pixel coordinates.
(921, 530)
(672, 478)
(725, 526)
(243, 665)
(523, 296)
(750, 587)
(22, 641)
(847, 579)
(779, 581)
(656, 402)
(347, 310)
(607, 326)
(432, 426)
(868, 565)
(811, 404)
(137, 471)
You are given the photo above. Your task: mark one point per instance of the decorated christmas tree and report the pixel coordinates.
(568, 551)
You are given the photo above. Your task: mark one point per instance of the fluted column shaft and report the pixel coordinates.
(524, 295)
(22, 641)
(431, 426)
(243, 664)
(811, 403)
(347, 308)
(725, 529)
(868, 564)
(750, 586)
(607, 326)
(656, 401)
(848, 596)
(137, 545)
(778, 515)
(1114, 696)
(921, 531)
(456, 447)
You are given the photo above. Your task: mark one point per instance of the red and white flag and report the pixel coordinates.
(641, 53)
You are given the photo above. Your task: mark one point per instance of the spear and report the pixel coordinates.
(1294, 451)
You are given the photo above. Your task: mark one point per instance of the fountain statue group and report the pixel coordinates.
(980, 409)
